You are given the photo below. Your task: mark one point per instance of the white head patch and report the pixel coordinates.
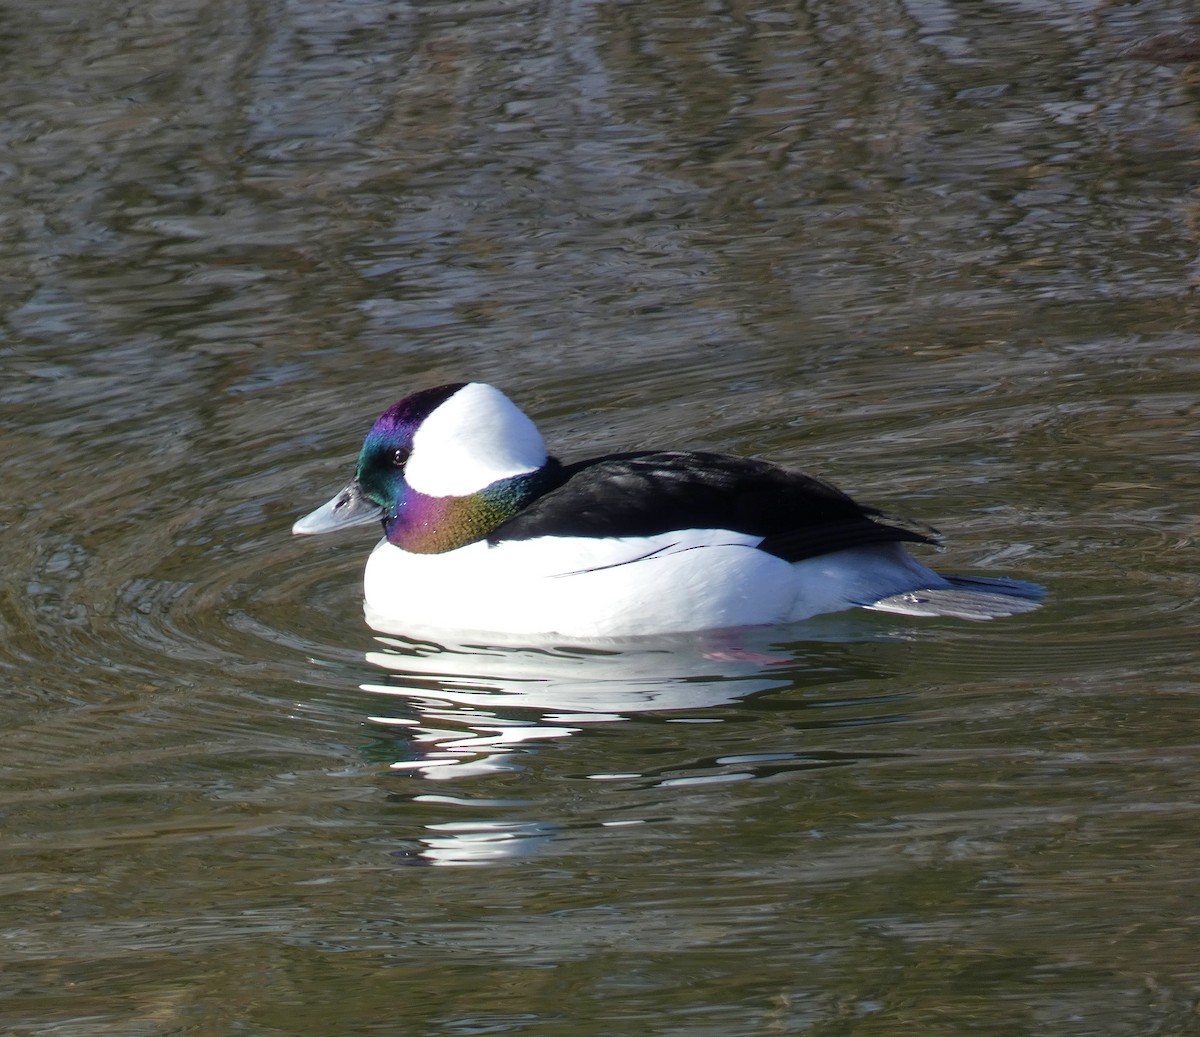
(476, 437)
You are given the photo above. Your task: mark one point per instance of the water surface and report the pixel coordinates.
(945, 255)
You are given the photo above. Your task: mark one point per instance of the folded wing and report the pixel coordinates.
(646, 494)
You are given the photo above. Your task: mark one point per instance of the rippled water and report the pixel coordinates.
(945, 255)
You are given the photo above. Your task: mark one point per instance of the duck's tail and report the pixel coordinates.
(966, 597)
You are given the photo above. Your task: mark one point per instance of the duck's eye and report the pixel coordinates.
(400, 456)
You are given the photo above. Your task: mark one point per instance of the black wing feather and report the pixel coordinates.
(644, 494)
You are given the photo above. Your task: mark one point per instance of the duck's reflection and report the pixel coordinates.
(470, 707)
(479, 842)
(460, 711)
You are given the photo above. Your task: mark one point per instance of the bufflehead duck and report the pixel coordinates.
(484, 532)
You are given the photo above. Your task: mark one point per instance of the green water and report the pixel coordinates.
(944, 255)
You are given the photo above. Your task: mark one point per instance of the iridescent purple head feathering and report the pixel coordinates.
(388, 446)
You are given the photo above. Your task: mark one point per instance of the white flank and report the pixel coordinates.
(689, 579)
(473, 439)
(685, 580)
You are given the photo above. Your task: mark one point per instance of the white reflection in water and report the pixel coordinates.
(474, 710)
(458, 691)
(483, 842)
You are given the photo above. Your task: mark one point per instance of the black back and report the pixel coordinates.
(644, 494)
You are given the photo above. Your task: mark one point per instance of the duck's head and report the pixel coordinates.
(440, 469)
